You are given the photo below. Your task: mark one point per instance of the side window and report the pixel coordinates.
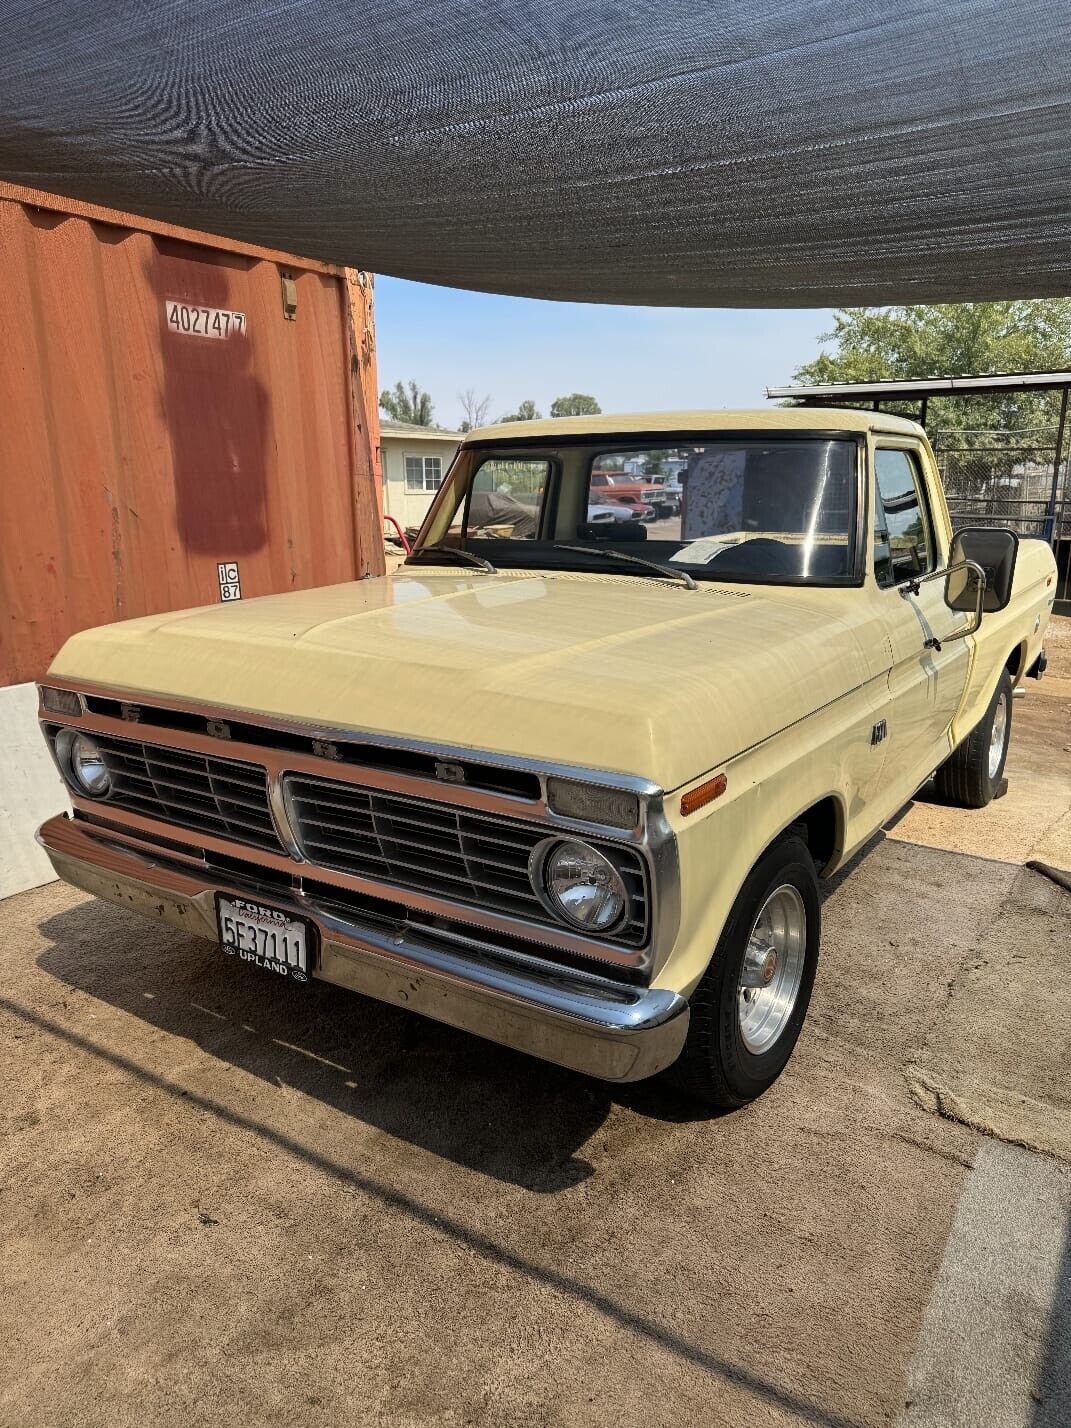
(903, 538)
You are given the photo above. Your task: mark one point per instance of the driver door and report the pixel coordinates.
(926, 684)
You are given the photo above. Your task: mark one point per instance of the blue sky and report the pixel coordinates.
(628, 358)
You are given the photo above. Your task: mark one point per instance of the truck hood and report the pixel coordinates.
(603, 672)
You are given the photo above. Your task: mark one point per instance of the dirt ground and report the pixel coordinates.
(225, 1203)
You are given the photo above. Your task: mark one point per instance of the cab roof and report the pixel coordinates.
(633, 423)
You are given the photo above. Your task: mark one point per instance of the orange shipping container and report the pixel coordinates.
(183, 419)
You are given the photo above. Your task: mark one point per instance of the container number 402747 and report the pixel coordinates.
(203, 321)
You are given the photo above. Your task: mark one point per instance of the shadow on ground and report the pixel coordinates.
(480, 1105)
(475, 1103)
(1052, 1396)
(351, 1195)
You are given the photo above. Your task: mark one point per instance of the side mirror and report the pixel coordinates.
(995, 551)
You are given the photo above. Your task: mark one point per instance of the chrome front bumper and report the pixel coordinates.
(576, 1019)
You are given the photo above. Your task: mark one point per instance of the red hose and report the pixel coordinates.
(401, 535)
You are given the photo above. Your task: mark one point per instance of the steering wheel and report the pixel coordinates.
(763, 555)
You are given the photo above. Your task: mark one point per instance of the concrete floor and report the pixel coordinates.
(227, 1203)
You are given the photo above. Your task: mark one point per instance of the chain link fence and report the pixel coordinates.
(1005, 478)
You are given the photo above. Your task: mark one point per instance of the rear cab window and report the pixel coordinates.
(506, 499)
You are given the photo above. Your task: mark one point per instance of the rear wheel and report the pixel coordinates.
(748, 1010)
(972, 776)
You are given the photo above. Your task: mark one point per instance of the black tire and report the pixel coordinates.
(965, 778)
(716, 1066)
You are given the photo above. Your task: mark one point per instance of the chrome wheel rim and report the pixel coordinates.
(998, 735)
(772, 970)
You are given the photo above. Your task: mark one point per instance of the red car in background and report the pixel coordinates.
(640, 509)
(638, 492)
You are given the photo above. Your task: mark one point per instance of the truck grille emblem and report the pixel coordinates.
(325, 749)
(449, 773)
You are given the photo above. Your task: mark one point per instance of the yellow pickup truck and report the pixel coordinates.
(567, 785)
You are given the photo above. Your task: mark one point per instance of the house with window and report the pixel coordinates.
(415, 460)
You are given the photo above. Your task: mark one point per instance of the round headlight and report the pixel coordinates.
(85, 765)
(583, 886)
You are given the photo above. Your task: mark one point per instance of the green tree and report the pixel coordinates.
(525, 412)
(413, 406)
(953, 339)
(575, 405)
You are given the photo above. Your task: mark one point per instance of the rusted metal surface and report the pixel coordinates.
(58, 203)
(135, 456)
(364, 395)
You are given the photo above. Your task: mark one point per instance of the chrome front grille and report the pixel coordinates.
(435, 848)
(398, 840)
(223, 797)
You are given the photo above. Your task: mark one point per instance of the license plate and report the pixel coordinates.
(264, 937)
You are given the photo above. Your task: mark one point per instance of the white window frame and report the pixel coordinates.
(429, 477)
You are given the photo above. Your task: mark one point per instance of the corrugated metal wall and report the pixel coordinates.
(137, 456)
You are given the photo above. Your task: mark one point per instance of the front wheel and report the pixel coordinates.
(748, 1010)
(971, 777)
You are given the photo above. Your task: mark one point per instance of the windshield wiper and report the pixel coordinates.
(459, 551)
(655, 565)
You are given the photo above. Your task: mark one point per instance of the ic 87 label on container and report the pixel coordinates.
(230, 586)
(202, 321)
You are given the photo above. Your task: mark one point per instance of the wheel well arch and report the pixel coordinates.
(1015, 664)
(821, 826)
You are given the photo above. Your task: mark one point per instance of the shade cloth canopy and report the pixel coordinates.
(746, 153)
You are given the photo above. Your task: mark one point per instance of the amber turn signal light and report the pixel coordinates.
(706, 793)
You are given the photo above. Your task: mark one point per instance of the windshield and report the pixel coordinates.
(773, 508)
